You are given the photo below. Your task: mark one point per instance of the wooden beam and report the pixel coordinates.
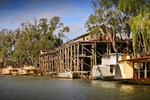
(145, 71)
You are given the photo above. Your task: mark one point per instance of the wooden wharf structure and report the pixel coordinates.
(78, 55)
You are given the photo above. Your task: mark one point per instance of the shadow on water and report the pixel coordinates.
(46, 88)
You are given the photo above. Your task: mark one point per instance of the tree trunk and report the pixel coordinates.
(112, 38)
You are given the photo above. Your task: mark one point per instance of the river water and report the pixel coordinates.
(46, 88)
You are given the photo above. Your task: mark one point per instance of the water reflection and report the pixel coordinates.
(64, 79)
(133, 92)
(103, 84)
(45, 88)
(127, 88)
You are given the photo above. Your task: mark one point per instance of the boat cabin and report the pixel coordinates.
(107, 68)
(135, 68)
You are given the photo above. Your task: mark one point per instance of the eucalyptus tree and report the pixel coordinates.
(6, 45)
(2, 48)
(106, 21)
(35, 37)
(123, 18)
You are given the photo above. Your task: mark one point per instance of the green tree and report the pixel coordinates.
(137, 14)
(123, 18)
(106, 21)
(141, 33)
(23, 45)
(6, 44)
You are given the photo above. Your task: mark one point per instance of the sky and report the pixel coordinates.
(73, 13)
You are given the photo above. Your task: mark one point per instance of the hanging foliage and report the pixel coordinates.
(141, 33)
